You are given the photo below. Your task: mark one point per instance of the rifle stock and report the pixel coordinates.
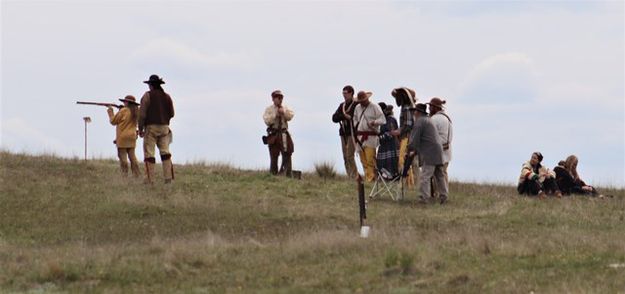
(99, 104)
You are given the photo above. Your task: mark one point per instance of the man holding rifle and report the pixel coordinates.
(156, 111)
(343, 116)
(278, 138)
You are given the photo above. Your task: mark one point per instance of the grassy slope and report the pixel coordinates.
(73, 226)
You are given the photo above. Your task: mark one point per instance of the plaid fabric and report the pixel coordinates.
(406, 121)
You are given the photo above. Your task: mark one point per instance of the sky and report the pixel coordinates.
(518, 76)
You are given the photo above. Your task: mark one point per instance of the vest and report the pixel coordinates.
(160, 109)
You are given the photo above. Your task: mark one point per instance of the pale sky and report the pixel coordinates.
(518, 76)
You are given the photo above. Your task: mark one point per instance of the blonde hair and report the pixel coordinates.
(134, 111)
(570, 164)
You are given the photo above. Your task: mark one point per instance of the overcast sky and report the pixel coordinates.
(518, 76)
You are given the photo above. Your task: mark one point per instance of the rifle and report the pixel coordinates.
(99, 104)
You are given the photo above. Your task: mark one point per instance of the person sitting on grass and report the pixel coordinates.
(569, 181)
(536, 179)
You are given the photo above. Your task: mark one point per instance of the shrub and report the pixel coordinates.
(325, 170)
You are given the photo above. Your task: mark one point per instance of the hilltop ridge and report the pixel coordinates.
(74, 225)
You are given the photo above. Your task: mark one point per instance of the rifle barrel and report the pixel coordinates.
(99, 104)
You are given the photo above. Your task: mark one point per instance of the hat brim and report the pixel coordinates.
(129, 101)
(154, 82)
(432, 104)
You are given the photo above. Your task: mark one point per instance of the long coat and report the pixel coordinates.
(425, 141)
(126, 128)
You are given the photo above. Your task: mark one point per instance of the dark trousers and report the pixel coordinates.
(533, 187)
(274, 152)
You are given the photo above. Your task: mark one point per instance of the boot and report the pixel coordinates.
(149, 173)
(168, 171)
(135, 169)
(124, 169)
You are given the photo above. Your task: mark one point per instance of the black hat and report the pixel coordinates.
(154, 79)
(422, 108)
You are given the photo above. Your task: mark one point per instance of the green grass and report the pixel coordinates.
(74, 226)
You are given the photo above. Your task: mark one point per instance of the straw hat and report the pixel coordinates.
(362, 95)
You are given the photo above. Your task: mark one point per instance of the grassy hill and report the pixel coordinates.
(70, 225)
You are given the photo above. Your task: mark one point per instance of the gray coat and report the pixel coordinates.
(424, 139)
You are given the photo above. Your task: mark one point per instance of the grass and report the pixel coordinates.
(68, 225)
(325, 170)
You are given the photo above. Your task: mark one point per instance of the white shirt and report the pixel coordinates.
(372, 113)
(445, 132)
(271, 116)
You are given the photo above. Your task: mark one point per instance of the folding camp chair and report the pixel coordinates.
(393, 185)
(387, 183)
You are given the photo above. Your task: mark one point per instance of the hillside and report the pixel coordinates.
(70, 225)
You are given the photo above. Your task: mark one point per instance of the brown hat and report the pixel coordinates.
(154, 80)
(421, 108)
(362, 95)
(438, 102)
(277, 93)
(130, 99)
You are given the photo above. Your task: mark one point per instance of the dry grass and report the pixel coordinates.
(325, 170)
(69, 225)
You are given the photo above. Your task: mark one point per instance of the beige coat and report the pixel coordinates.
(126, 128)
(271, 117)
(527, 172)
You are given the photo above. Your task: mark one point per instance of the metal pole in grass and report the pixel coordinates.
(87, 120)
(362, 205)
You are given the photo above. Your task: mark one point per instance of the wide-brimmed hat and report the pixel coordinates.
(421, 108)
(438, 102)
(154, 80)
(130, 99)
(362, 95)
(277, 93)
(412, 95)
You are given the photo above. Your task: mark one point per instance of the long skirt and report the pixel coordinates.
(388, 158)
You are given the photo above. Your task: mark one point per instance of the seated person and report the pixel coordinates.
(536, 179)
(568, 179)
(388, 152)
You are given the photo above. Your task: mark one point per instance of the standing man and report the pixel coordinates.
(276, 117)
(442, 122)
(343, 116)
(367, 119)
(406, 99)
(155, 112)
(424, 142)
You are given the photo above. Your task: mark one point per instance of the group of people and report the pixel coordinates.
(420, 142)
(148, 119)
(416, 147)
(536, 179)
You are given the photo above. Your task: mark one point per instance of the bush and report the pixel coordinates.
(325, 170)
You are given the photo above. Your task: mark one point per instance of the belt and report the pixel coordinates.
(365, 134)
